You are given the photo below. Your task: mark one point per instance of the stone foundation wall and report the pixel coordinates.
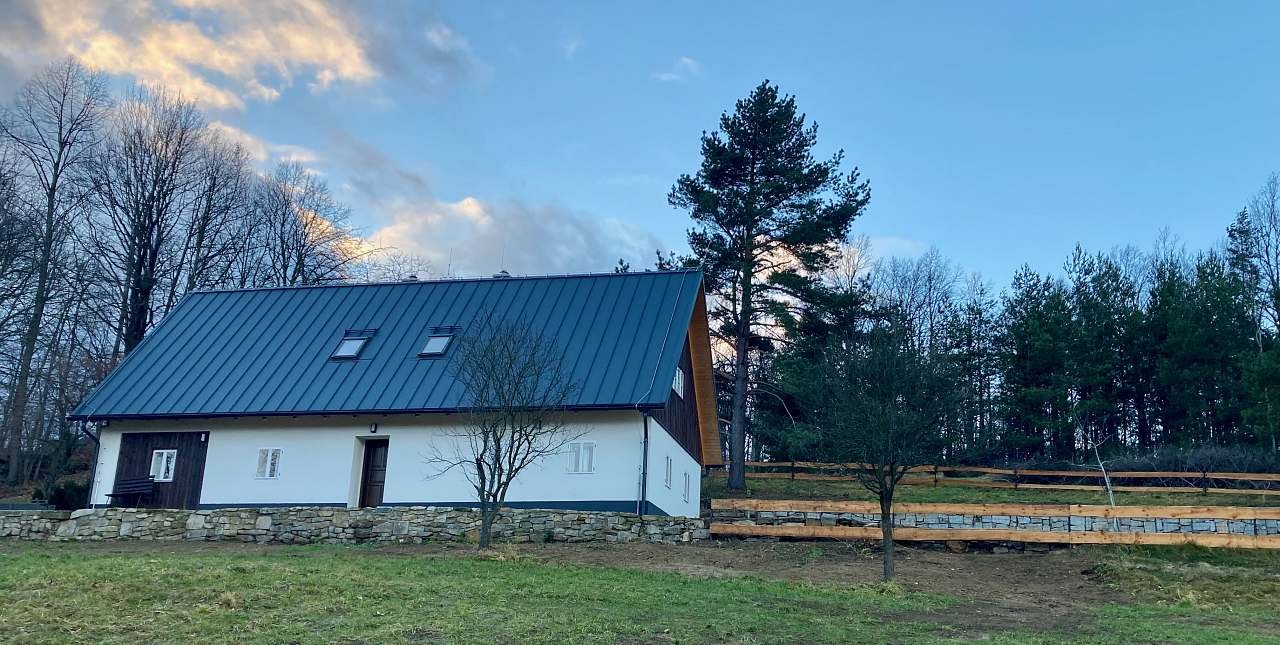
(1062, 524)
(304, 525)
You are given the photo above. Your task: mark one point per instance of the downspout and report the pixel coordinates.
(641, 501)
(644, 459)
(97, 449)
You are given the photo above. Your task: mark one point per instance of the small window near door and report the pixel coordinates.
(582, 457)
(685, 497)
(162, 464)
(269, 463)
(677, 385)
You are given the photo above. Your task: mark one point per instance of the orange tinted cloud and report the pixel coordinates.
(217, 54)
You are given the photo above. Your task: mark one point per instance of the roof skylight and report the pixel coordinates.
(436, 345)
(352, 343)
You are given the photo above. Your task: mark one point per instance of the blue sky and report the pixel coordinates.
(544, 137)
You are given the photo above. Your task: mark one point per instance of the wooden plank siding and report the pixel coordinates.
(188, 470)
(704, 384)
(680, 415)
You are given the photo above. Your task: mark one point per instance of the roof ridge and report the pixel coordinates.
(391, 283)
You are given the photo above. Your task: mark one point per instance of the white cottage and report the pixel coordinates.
(334, 396)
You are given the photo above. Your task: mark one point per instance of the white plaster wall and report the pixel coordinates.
(105, 470)
(670, 500)
(321, 460)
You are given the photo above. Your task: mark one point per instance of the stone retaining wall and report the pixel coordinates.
(303, 525)
(1061, 524)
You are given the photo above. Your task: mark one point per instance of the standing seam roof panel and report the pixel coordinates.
(363, 312)
(266, 351)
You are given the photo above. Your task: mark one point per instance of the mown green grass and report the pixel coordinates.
(67, 594)
(713, 487)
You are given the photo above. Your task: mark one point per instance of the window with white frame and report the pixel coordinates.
(582, 457)
(162, 464)
(269, 463)
(677, 385)
(667, 479)
(685, 497)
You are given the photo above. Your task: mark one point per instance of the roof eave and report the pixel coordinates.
(332, 413)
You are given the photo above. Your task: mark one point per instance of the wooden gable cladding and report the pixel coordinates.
(680, 415)
(704, 385)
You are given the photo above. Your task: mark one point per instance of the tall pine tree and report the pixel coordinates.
(767, 215)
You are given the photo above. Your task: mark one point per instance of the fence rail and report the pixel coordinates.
(1212, 540)
(1050, 510)
(1206, 482)
(1209, 526)
(1031, 472)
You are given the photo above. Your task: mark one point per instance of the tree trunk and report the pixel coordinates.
(738, 420)
(488, 513)
(886, 532)
(17, 413)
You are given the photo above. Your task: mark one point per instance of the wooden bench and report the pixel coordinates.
(135, 489)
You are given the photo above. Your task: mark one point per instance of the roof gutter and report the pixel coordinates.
(335, 413)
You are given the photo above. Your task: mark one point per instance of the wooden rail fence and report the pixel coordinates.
(939, 476)
(1222, 515)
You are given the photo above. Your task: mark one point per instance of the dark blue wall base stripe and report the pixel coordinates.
(210, 507)
(623, 506)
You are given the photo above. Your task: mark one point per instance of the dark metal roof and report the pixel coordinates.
(266, 351)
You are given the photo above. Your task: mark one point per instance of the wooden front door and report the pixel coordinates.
(185, 452)
(374, 478)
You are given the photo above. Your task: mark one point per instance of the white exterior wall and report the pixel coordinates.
(322, 460)
(671, 499)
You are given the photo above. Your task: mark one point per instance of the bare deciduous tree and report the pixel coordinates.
(302, 229)
(1264, 213)
(516, 388)
(52, 127)
(110, 212)
(146, 170)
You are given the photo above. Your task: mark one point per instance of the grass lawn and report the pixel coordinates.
(66, 593)
(713, 487)
(720, 592)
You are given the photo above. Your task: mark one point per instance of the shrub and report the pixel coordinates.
(69, 495)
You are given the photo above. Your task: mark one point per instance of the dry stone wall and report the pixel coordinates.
(1062, 524)
(306, 525)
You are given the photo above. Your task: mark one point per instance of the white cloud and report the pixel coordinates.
(263, 151)
(683, 68)
(223, 53)
(472, 237)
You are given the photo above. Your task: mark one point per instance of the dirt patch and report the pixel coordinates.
(1043, 592)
